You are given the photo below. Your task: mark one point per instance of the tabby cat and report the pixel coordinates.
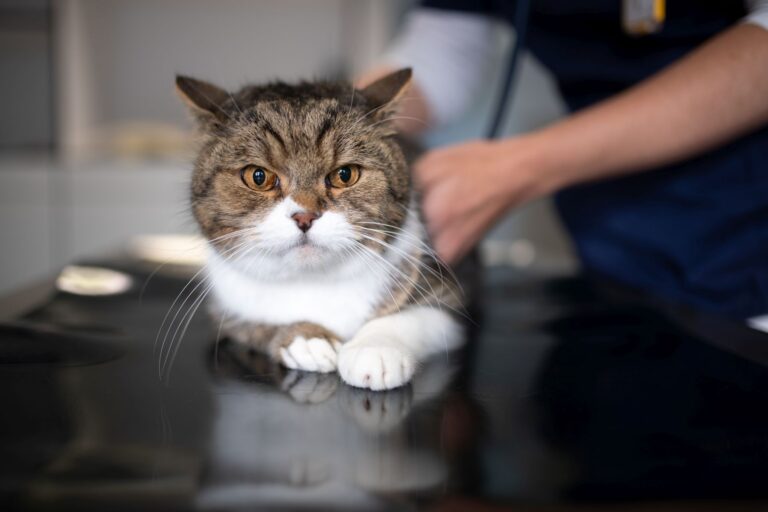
(318, 255)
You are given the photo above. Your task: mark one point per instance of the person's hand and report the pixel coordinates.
(467, 187)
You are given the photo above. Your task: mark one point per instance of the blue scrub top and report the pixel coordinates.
(696, 232)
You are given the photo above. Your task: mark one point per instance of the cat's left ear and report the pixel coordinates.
(205, 100)
(385, 91)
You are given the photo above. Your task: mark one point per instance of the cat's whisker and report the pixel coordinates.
(196, 246)
(178, 308)
(225, 313)
(173, 306)
(421, 265)
(180, 331)
(234, 102)
(162, 353)
(422, 291)
(413, 241)
(395, 278)
(439, 303)
(400, 231)
(370, 258)
(372, 111)
(400, 251)
(390, 276)
(397, 231)
(186, 319)
(416, 262)
(424, 294)
(387, 118)
(395, 118)
(148, 279)
(352, 100)
(233, 234)
(217, 340)
(186, 250)
(415, 248)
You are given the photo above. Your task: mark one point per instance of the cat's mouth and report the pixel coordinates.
(304, 245)
(306, 249)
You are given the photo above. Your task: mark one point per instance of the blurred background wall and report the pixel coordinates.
(95, 146)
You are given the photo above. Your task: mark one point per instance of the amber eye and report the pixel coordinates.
(258, 178)
(344, 176)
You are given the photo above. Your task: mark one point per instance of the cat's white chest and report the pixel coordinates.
(341, 305)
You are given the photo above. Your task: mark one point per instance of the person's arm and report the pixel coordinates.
(716, 93)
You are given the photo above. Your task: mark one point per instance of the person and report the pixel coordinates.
(660, 172)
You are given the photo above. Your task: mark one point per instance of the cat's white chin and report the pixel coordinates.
(308, 253)
(310, 257)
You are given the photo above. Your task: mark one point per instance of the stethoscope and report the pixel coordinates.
(639, 17)
(521, 27)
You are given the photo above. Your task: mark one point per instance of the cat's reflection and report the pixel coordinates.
(309, 387)
(373, 411)
(286, 438)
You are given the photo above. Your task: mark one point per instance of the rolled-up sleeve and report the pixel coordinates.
(758, 13)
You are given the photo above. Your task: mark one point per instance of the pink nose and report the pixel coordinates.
(304, 220)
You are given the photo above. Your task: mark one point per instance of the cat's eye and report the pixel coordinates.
(258, 178)
(342, 177)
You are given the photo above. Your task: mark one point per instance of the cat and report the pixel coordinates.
(317, 252)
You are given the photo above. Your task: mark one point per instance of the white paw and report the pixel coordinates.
(312, 355)
(375, 366)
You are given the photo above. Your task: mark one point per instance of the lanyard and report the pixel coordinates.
(641, 17)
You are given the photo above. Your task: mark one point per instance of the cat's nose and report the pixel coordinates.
(304, 219)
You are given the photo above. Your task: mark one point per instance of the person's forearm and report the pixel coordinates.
(713, 95)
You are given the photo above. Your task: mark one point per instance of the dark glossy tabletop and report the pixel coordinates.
(570, 396)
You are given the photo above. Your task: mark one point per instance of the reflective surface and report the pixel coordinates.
(570, 395)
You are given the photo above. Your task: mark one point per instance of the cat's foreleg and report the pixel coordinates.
(386, 351)
(299, 346)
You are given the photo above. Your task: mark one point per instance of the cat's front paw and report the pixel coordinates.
(375, 366)
(310, 354)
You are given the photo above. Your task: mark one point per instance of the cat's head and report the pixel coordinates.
(298, 174)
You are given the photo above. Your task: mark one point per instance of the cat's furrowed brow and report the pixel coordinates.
(324, 129)
(270, 131)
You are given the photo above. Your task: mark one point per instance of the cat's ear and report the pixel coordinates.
(388, 89)
(203, 99)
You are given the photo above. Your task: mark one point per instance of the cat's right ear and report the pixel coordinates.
(205, 100)
(386, 91)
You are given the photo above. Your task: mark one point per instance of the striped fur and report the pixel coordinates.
(351, 292)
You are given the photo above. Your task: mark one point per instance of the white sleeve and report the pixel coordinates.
(758, 13)
(450, 53)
